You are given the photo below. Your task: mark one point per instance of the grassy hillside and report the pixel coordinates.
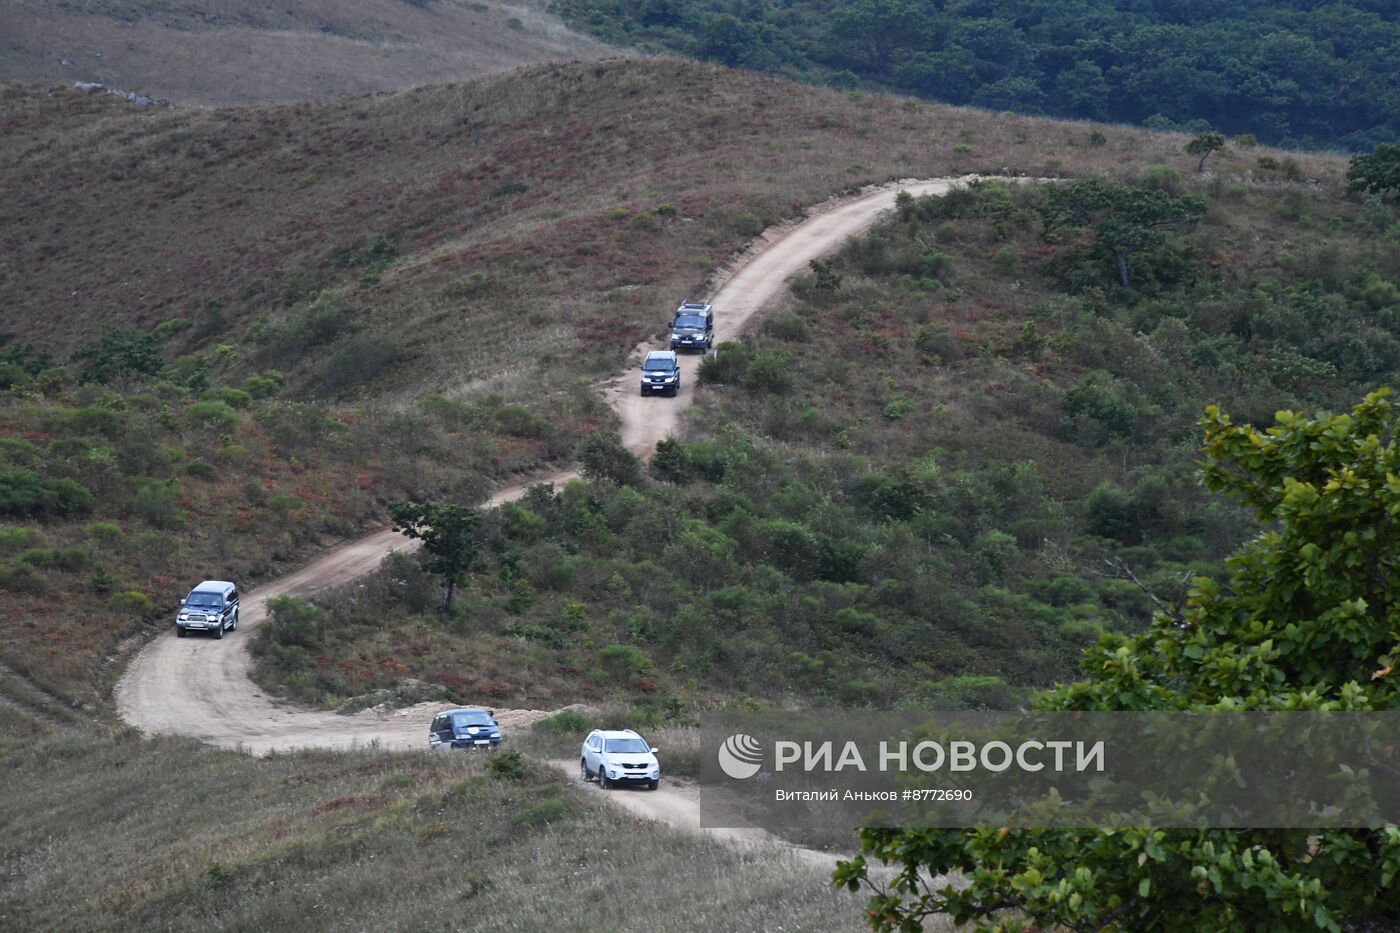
(450, 267)
(470, 230)
(238, 51)
(113, 832)
(909, 484)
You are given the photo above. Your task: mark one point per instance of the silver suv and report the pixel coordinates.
(619, 757)
(211, 607)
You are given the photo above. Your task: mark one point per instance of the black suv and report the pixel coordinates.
(693, 327)
(464, 728)
(661, 372)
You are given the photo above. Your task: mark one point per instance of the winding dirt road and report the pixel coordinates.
(200, 687)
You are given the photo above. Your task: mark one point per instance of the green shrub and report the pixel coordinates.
(726, 365)
(671, 462)
(13, 376)
(157, 501)
(624, 660)
(519, 421)
(992, 554)
(214, 417)
(104, 532)
(14, 538)
(102, 580)
(935, 340)
(18, 577)
(130, 601)
(1108, 512)
(68, 558)
(976, 691)
(548, 811)
(358, 362)
(283, 505)
(262, 385)
(747, 224)
(897, 408)
(95, 420)
(218, 876)
(202, 469)
(24, 493)
(769, 371)
(792, 327)
(566, 723)
(325, 321)
(508, 765)
(602, 456)
(1162, 177)
(119, 354)
(234, 398)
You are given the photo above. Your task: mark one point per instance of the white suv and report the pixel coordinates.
(619, 758)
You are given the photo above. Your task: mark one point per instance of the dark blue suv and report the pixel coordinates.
(464, 728)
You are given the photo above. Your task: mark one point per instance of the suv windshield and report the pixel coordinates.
(626, 747)
(689, 320)
(472, 718)
(657, 366)
(204, 600)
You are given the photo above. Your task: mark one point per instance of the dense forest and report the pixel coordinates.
(1298, 73)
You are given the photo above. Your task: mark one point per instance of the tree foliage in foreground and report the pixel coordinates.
(1309, 621)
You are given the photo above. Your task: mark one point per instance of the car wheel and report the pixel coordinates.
(653, 785)
(603, 781)
(179, 631)
(219, 632)
(583, 770)
(234, 626)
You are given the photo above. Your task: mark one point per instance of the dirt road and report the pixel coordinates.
(200, 687)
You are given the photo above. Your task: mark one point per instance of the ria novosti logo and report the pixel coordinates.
(741, 756)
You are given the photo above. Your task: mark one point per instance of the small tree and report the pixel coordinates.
(1377, 172)
(448, 533)
(1203, 145)
(1125, 219)
(602, 455)
(1308, 622)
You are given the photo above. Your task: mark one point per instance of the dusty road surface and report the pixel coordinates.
(757, 279)
(200, 687)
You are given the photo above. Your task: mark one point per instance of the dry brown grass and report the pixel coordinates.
(238, 51)
(111, 832)
(523, 208)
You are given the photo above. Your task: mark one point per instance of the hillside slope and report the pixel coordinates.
(580, 199)
(237, 51)
(455, 265)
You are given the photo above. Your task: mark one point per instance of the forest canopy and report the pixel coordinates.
(1296, 73)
